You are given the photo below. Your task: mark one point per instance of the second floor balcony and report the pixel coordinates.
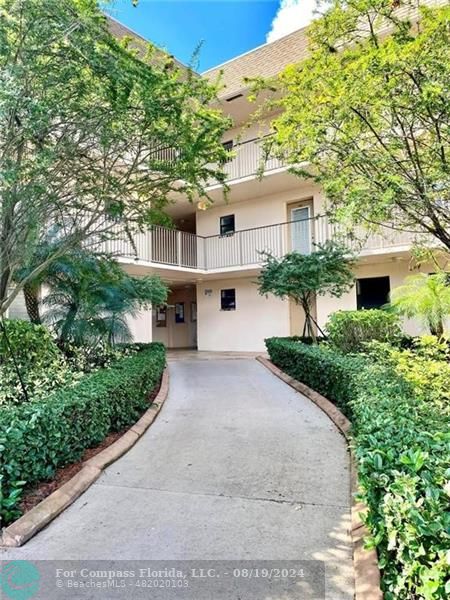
(249, 160)
(245, 248)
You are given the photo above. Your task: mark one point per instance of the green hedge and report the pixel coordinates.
(402, 445)
(348, 330)
(38, 437)
(325, 371)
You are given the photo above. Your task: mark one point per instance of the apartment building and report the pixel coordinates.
(212, 259)
(213, 256)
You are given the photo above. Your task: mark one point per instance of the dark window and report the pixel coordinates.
(372, 292)
(228, 299)
(228, 146)
(227, 225)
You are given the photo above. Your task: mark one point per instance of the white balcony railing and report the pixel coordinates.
(243, 248)
(249, 159)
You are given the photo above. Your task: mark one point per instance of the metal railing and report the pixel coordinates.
(244, 248)
(250, 158)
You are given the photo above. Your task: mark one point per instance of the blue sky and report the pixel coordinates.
(225, 28)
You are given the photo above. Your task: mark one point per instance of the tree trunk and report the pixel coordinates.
(437, 329)
(309, 323)
(30, 293)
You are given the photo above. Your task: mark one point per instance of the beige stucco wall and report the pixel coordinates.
(248, 131)
(256, 317)
(229, 331)
(397, 269)
(17, 309)
(141, 326)
(256, 212)
(245, 328)
(251, 213)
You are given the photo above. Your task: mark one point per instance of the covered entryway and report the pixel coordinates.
(176, 324)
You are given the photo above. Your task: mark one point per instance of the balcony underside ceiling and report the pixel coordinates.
(397, 254)
(177, 275)
(236, 105)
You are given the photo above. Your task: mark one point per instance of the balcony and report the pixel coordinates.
(179, 249)
(249, 160)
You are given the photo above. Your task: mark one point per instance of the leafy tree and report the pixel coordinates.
(96, 135)
(90, 297)
(426, 297)
(369, 116)
(302, 277)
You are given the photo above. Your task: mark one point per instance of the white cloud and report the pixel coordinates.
(291, 15)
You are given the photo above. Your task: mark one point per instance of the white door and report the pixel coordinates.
(301, 229)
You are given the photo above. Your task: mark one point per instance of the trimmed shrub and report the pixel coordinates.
(349, 330)
(318, 367)
(39, 436)
(307, 339)
(32, 345)
(402, 445)
(85, 359)
(30, 349)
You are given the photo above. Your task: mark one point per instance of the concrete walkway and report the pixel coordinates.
(237, 466)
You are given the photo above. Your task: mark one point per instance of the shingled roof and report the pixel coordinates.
(269, 59)
(265, 61)
(136, 41)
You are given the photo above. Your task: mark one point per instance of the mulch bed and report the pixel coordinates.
(39, 491)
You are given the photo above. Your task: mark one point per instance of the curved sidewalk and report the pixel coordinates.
(237, 466)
